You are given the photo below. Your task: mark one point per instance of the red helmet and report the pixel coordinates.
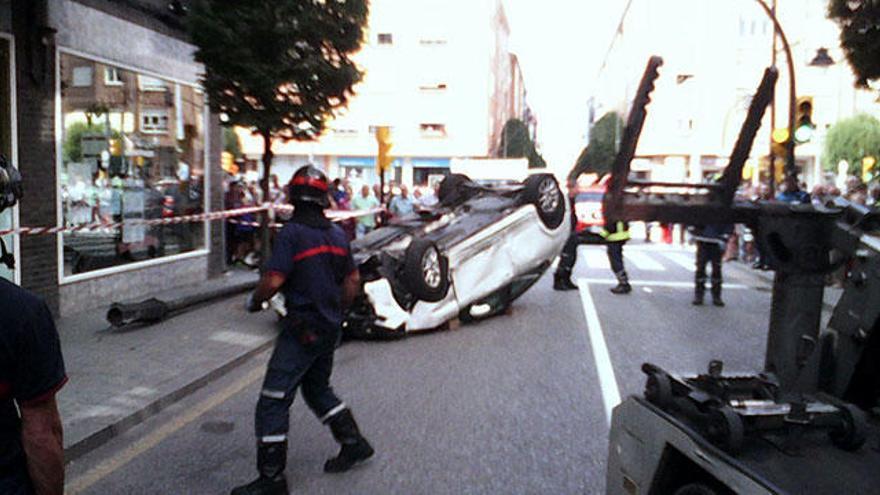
(309, 185)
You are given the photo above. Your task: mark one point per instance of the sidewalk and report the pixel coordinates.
(121, 376)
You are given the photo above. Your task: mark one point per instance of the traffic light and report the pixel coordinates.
(383, 139)
(868, 163)
(779, 140)
(803, 123)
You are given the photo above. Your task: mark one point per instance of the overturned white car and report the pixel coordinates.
(469, 257)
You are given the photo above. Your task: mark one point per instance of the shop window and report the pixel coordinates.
(154, 121)
(82, 77)
(385, 39)
(7, 219)
(126, 160)
(111, 77)
(433, 130)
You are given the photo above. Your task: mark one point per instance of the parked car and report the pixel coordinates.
(470, 256)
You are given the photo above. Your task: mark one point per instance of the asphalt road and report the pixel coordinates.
(515, 404)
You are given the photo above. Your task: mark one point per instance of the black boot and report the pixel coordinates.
(622, 286)
(716, 293)
(699, 292)
(355, 447)
(271, 460)
(562, 281)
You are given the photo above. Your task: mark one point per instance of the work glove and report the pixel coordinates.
(252, 306)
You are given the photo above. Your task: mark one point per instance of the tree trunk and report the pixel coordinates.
(265, 237)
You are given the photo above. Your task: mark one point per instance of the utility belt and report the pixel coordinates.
(309, 329)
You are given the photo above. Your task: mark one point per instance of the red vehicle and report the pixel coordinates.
(588, 209)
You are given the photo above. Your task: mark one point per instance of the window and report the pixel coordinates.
(128, 157)
(432, 41)
(385, 38)
(82, 77)
(154, 121)
(374, 128)
(148, 83)
(345, 132)
(111, 77)
(433, 130)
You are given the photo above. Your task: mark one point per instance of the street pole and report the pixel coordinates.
(790, 166)
(772, 156)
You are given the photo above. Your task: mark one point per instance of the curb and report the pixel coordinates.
(107, 433)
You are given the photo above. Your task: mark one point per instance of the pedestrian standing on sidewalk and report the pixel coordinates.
(31, 372)
(311, 264)
(711, 240)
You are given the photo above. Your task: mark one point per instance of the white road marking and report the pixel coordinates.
(610, 390)
(596, 258)
(236, 338)
(683, 260)
(648, 289)
(642, 261)
(658, 283)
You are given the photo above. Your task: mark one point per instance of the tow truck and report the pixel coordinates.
(801, 425)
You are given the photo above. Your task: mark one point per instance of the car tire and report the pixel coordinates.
(450, 191)
(543, 191)
(426, 271)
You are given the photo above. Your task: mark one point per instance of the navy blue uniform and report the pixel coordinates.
(711, 241)
(315, 258)
(31, 370)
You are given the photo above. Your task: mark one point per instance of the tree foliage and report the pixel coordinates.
(852, 140)
(598, 156)
(859, 22)
(515, 142)
(281, 67)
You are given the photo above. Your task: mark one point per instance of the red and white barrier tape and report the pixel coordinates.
(335, 215)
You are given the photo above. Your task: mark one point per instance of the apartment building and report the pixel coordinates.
(715, 53)
(439, 73)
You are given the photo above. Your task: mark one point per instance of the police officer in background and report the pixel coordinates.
(568, 257)
(711, 241)
(616, 234)
(31, 372)
(312, 266)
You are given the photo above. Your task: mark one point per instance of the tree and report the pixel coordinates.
(516, 143)
(859, 22)
(231, 143)
(598, 156)
(852, 140)
(279, 67)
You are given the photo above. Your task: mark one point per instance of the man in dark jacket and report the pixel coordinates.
(312, 266)
(711, 240)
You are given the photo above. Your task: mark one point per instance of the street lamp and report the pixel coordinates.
(822, 59)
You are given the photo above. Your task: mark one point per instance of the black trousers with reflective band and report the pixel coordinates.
(568, 257)
(302, 358)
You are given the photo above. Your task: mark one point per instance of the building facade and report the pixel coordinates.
(715, 54)
(101, 109)
(439, 73)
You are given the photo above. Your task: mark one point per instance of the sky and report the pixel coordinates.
(560, 45)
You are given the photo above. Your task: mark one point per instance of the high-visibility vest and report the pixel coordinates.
(620, 234)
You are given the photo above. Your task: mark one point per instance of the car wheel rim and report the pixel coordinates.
(431, 268)
(548, 196)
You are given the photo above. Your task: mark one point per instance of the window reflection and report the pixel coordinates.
(132, 149)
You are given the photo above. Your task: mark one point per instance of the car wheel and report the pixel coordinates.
(543, 191)
(425, 271)
(450, 191)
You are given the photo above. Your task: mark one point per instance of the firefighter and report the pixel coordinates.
(312, 266)
(711, 241)
(616, 234)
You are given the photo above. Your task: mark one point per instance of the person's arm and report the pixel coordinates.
(42, 438)
(270, 283)
(350, 287)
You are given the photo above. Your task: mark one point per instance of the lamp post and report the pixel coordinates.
(790, 166)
